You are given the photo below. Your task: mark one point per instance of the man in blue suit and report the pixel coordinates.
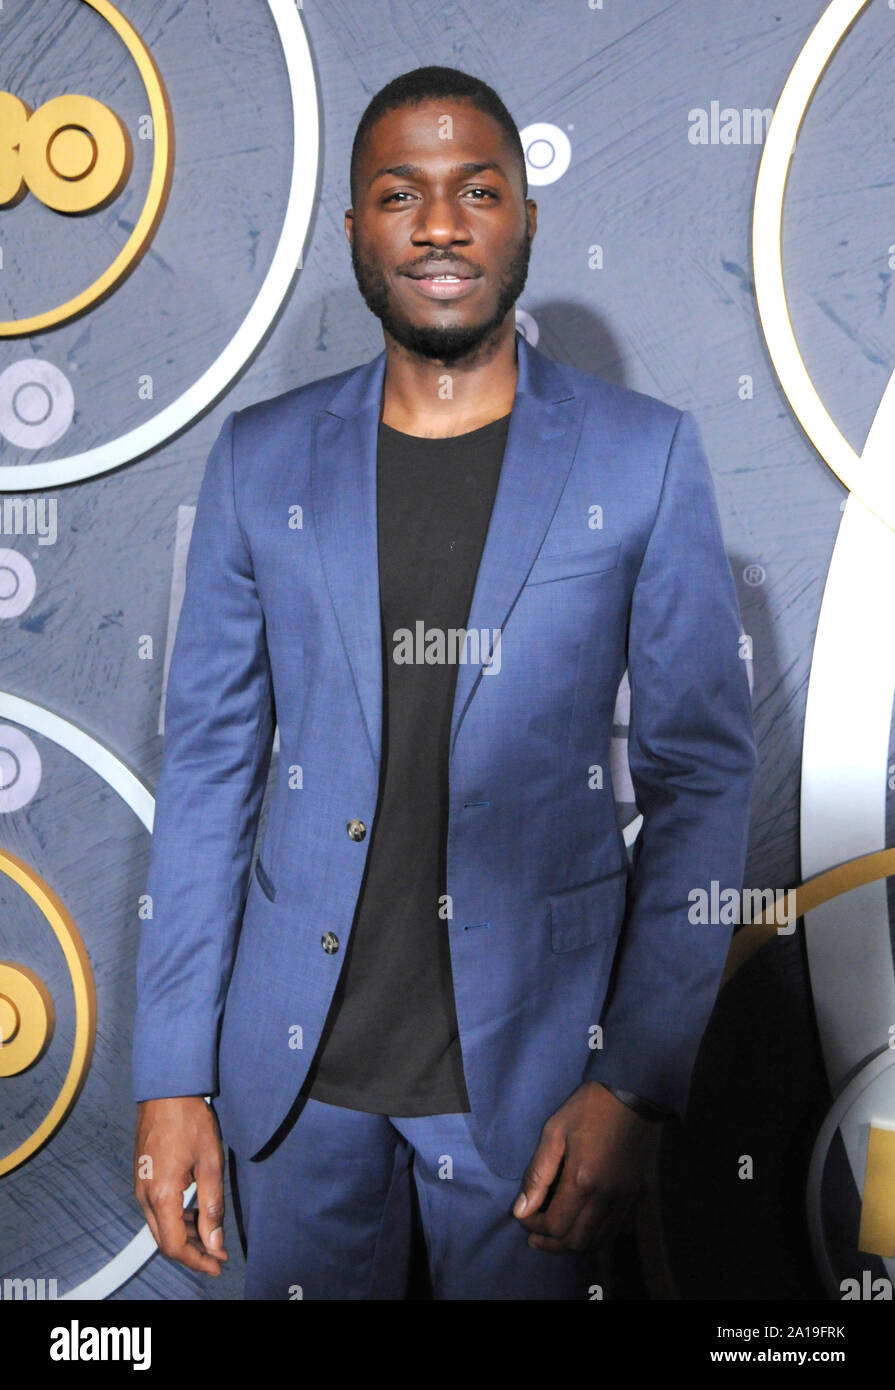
(430, 573)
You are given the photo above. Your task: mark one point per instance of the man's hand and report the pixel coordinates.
(603, 1146)
(178, 1140)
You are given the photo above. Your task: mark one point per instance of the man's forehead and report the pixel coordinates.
(426, 123)
(416, 149)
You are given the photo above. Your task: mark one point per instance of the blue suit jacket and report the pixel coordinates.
(604, 550)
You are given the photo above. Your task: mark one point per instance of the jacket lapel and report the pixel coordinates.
(541, 443)
(343, 500)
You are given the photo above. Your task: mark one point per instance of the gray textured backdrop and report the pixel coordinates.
(672, 313)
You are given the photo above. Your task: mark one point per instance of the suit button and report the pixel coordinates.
(330, 942)
(356, 829)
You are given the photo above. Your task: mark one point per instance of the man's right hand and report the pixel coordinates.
(178, 1141)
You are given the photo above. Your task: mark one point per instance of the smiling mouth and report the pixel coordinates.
(444, 286)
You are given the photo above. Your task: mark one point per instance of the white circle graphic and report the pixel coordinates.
(548, 152)
(18, 583)
(20, 769)
(37, 403)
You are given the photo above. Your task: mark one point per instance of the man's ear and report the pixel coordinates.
(349, 224)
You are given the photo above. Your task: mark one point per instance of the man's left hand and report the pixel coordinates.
(603, 1146)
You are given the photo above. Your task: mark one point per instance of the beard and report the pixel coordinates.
(447, 343)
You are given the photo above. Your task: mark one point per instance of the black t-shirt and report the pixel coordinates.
(390, 1044)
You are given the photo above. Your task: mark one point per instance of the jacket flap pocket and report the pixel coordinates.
(572, 563)
(591, 912)
(264, 881)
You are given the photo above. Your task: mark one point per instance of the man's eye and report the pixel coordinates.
(402, 193)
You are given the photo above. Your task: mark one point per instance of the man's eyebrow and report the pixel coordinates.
(415, 171)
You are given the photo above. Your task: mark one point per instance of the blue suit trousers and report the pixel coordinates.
(328, 1215)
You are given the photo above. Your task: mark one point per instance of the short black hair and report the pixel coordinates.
(426, 84)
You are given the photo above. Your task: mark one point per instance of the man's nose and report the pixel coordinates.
(441, 222)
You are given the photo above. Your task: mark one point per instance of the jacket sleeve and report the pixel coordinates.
(692, 759)
(216, 751)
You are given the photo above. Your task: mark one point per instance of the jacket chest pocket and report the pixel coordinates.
(573, 563)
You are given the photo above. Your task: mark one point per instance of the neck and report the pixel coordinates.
(423, 396)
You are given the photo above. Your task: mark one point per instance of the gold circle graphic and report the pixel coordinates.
(9, 1019)
(77, 154)
(27, 1018)
(156, 196)
(23, 1001)
(72, 152)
